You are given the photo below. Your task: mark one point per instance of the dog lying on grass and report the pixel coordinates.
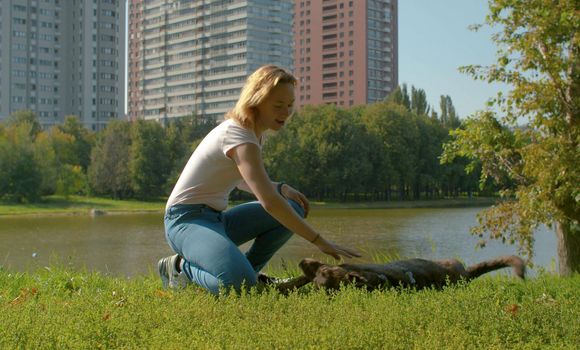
(411, 273)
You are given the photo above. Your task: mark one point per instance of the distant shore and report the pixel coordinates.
(78, 205)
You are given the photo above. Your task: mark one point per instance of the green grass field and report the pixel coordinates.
(59, 309)
(79, 205)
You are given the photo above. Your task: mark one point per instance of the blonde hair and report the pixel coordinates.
(257, 87)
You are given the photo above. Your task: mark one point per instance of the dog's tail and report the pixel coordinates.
(518, 265)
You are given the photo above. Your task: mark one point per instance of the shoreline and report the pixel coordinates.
(91, 206)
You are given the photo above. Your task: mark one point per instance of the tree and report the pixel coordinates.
(449, 118)
(148, 161)
(20, 174)
(397, 132)
(400, 96)
(70, 176)
(419, 103)
(45, 156)
(109, 171)
(537, 166)
(82, 141)
(25, 116)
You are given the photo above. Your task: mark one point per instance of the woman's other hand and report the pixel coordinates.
(291, 193)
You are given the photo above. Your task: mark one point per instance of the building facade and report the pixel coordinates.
(63, 57)
(191, 57)
(346, 51)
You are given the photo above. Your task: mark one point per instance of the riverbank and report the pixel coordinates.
(56, 308)
(78, 205)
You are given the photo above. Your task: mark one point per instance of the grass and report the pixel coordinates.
(79, 205)
(58, 309)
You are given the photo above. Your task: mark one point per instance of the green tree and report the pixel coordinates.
(81, 143)
(429, 171)
(395, 135)
(71, 180)
(322, 152)
(45, 157)
(20, 172)
(400, 96)
(149, 161)
(449, 118)
(70, 176)
(536, 166)
(396, 96)
(26, 116)
(109, 171)
(419, 103)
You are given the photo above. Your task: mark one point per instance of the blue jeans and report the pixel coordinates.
(208, 241)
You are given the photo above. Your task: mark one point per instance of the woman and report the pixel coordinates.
(198, 227)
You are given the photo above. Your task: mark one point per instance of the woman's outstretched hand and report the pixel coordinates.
(334, 250)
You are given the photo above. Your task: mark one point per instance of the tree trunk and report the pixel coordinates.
(568, 237)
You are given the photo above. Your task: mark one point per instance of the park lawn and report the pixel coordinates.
(80, 205)
(59, 309)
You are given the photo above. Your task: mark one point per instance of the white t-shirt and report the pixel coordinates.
(209, 176)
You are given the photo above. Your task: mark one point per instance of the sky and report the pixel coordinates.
(434, 41)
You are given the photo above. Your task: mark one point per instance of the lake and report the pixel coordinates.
(131, 244)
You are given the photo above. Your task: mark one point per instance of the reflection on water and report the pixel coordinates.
(132, 244)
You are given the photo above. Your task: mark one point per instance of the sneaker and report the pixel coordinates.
(263, 278)
(169, 276)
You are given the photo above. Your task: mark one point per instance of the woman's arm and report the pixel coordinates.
(286, 191)
(249, 161)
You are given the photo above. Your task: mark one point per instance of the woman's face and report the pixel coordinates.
(276, 108)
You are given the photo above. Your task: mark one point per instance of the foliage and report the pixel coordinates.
(318, 139)
(72, 180)
(108, 172)
(449, 118)
(80, 205)
(81, 143)
(148, 160)
(397, 135)
(381, 152)
(20, 172)
(419, 104)
(46, 157)
(58, 308)
(25, 117)
(536, 165)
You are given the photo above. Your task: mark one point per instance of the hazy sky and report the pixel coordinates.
(434, 40)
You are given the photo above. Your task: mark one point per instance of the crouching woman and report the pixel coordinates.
(203, 233)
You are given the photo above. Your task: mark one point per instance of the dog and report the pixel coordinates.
(411, 273)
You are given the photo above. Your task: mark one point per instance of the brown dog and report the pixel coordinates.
(414, 273)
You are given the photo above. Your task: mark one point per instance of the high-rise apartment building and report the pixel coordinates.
(63, 57)
(345, 51)
(193, 56)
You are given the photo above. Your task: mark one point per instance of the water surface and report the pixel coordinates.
(131, 244)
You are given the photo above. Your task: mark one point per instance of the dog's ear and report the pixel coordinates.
(356, 278)
(309, 267)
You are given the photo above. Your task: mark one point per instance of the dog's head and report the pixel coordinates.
(330, 276)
